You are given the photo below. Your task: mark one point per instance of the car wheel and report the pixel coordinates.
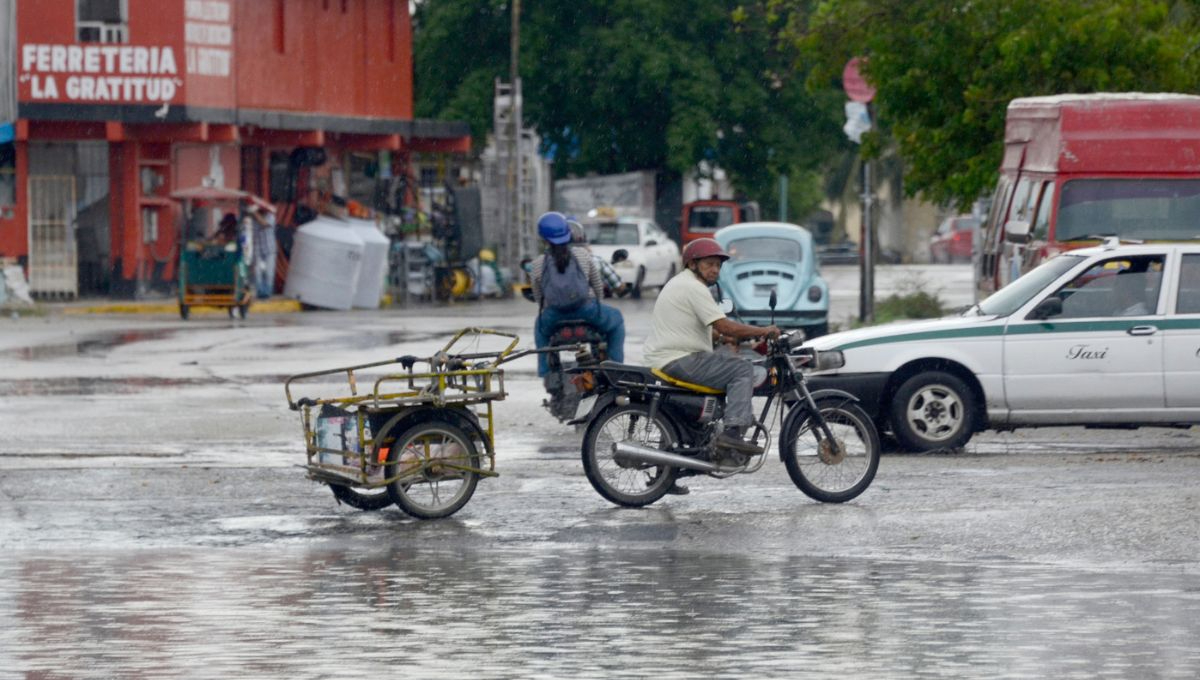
(933, 410)
(636, 293)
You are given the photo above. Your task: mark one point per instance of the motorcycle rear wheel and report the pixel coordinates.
(627, 484)
(831, 472)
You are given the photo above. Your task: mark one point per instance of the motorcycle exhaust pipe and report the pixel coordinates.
(624, 451)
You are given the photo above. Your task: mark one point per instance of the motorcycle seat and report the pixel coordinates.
(649, 375)
(676, 382)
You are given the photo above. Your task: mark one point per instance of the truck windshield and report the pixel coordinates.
(709, 217)
(1013, 296)
(1139, 209)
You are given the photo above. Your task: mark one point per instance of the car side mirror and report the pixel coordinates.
(651, 242)
(620, 255)
(1051, 306)
(1016, 231)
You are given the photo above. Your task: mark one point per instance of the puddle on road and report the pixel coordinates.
(93, 386)
(369, 339)
(95, 345)
(363, 610)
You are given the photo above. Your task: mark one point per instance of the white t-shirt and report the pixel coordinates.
(683, 314)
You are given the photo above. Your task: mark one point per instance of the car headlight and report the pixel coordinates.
(814, 293)
(809, 359)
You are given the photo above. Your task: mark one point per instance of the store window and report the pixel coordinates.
(102, 21)
(8, 175)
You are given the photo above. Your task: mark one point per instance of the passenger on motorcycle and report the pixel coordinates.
(686, 321)
(612, 280)
(567, 285)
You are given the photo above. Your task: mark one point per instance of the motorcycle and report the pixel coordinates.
(588, 346)
(645, 429)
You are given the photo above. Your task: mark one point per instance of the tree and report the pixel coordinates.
(945, 70)
(620, 85)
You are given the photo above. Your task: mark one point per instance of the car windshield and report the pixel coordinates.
(1013, 296)
(763, 248)
(612, 234)
(1145, 209)
(965, 224)
(709, 217)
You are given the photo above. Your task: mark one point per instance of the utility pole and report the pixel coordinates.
(513, 237)
(783, 196)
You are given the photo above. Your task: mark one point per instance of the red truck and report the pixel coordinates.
(1079, 167)
(703, 218)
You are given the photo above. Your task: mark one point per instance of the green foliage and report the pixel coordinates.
(620, 85)
(915, 305)
(945, 70)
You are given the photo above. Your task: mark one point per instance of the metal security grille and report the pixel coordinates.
(53, 259)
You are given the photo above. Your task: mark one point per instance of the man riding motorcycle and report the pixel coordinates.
(686, 319)
(566, 285)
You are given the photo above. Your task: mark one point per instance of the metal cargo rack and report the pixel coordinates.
(451, 381)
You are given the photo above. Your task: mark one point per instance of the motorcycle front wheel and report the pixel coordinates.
(831, 471)
(623, 482)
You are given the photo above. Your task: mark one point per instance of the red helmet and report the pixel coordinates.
(702, 248)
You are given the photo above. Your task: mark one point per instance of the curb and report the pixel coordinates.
(256, 307)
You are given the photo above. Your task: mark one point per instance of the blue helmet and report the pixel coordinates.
(552, 226)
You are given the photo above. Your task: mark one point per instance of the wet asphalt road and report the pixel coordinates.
(153, 524)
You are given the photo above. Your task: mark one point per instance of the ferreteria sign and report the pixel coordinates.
(98, 73)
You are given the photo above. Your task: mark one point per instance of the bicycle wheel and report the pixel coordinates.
(831, 471)
(362, 499)
(623, 482)
(433, 465)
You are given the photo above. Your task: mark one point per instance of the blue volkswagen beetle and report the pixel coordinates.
(779, 257)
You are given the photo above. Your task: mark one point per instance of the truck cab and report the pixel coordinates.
(702, 219)
(1078, 168)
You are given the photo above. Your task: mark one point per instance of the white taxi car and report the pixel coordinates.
(652, 258)
(1107, 336)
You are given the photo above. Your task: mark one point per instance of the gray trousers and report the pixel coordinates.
(720, 370)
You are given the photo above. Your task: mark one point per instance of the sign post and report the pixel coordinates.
(858, 114)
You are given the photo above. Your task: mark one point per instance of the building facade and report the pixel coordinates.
(118, 103)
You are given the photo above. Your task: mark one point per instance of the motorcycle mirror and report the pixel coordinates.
(773, 300)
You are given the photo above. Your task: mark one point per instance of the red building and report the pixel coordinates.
(120, 102)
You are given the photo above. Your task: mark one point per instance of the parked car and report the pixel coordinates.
(1066, 344)
(956, 239)
(845, 252)
(777, 257)
(652, 258)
